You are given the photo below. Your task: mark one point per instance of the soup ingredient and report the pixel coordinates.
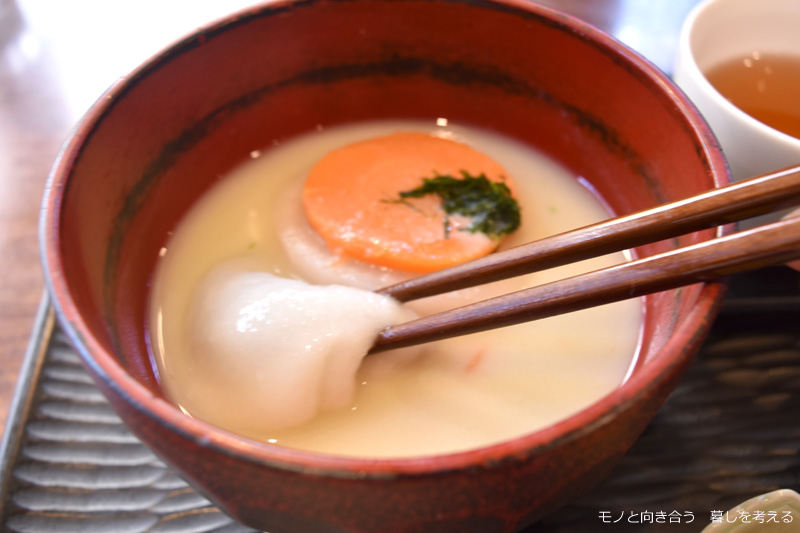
(281, 349)
(488, 204)
(458, 394)
(310, 257)
(765, 86)
(350, 199)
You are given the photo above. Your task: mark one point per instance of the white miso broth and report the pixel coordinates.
(448, 396)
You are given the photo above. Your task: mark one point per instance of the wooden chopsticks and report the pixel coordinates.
(769, 244)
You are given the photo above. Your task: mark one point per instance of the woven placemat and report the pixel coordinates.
(730, 431)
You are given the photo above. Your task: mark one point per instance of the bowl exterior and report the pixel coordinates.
(161, 137)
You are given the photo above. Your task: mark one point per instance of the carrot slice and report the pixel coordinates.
(351, 198)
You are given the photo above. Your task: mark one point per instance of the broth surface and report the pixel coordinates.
(461, 393)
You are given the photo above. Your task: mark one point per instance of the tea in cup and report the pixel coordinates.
(739, 62)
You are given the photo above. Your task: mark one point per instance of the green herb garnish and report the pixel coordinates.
(488, 203)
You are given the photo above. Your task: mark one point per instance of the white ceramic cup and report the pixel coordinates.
(716, 31)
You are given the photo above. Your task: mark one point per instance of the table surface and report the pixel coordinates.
(57, 58)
